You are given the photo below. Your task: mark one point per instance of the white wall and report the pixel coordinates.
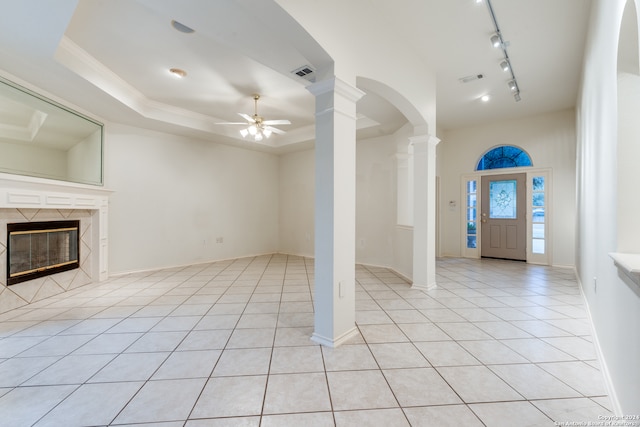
(175, 196)
(375, 201)
(549, 139)
(297, 195)
(378, 241)
(614, 303)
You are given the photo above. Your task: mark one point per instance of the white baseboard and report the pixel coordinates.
(604, 369)
(334, 342)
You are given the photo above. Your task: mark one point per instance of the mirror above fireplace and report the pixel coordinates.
(42, 138)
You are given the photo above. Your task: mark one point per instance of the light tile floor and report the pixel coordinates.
(227, 344)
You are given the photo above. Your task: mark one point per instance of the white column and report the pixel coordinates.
(424, 211)
(404, 215)
(335, 211)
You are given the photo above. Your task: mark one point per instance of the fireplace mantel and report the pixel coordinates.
(22, 192)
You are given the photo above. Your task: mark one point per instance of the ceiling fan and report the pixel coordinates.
(257, 127)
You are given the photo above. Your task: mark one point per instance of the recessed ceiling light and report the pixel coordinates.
(177, 72)
(485, 98)
(181, 27)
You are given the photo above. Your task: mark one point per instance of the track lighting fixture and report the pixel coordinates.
(495, 40)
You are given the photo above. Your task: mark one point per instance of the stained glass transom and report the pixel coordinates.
(505, 156)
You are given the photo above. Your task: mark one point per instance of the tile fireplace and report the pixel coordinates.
(29, 201)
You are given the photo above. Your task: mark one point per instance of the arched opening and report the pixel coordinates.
(404, 152)
(628, 147)
(414, 223)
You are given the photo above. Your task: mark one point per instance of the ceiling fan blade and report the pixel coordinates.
(276, 122)
(247, 117)
(275, 130)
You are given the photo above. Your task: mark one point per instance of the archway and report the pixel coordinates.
(416, 189)
(628, 147)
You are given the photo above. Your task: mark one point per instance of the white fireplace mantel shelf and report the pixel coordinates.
(28, 192)
(22, 192)
(628, 263)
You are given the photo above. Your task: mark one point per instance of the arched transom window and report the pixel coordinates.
(504, 156)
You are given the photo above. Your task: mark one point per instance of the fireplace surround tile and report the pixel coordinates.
(31, 291)
(9, 300)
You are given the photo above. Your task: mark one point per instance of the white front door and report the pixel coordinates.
(503, 217)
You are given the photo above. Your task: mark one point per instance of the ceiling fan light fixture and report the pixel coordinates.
(256, 127)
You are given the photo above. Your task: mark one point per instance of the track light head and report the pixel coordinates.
(513, 86)
(516, 96)
(495, 40)
(505, 66)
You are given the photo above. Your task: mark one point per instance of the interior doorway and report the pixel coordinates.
(503, 220)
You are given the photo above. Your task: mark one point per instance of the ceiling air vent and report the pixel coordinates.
(471, 78)
(306, 72)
